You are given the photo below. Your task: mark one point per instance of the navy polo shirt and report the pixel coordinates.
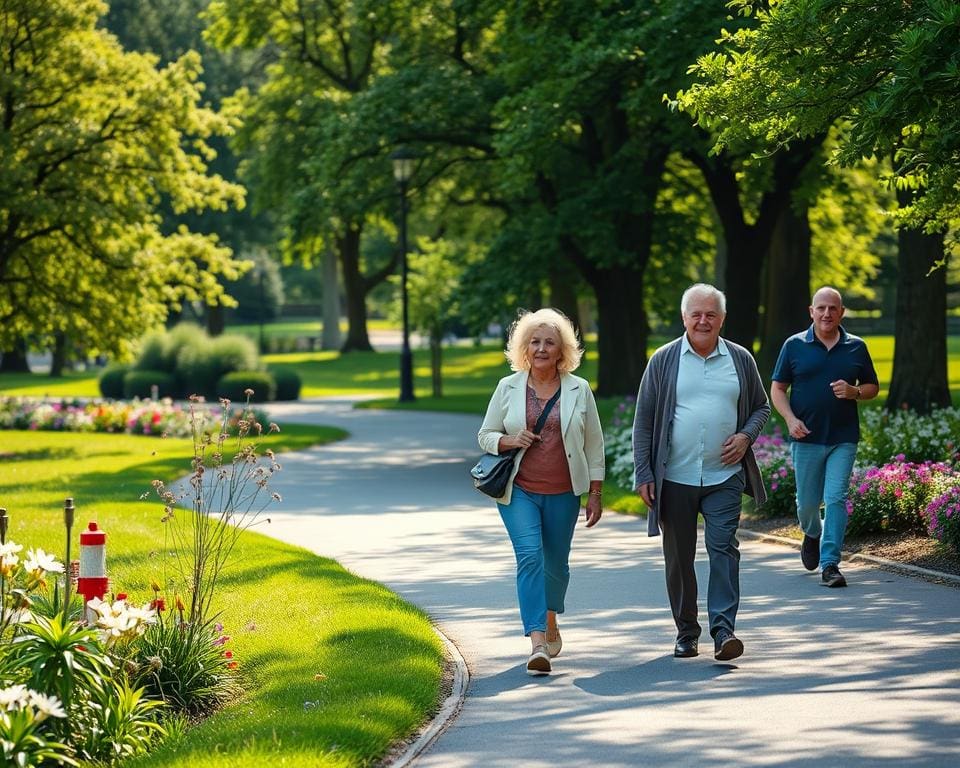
(809, 367)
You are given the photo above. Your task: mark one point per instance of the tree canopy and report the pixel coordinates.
(888, 73)
(92, 140)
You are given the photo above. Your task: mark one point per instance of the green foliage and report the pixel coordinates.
(59, 658)
(121, 723)
(258, 293)
(184, 665)
(24, 743)
(886, 73)
(93, 139)
(288, 383)
(137, 383)
(234, 386)
(917, 438)
(201, 364)
(111, 381)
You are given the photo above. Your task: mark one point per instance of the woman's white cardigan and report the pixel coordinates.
(579, 427)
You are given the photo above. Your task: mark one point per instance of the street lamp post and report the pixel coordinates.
(403, 160)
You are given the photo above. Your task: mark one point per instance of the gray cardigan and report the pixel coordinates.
(653, 422)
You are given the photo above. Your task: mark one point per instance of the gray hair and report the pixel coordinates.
(703, 289)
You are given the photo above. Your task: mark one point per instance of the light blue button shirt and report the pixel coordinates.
(705, 416)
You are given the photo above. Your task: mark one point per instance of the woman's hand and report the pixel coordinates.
(594, 510)
(523, 439)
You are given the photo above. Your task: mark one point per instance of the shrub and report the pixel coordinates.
(288, 384)
(617, 444)
(234, 386)
(153, 353)
(141, 383)
(943, 518)
(111, 381)
(884, 435)
(201, 365)
(892, 497)
(185, 665)
(776, 469)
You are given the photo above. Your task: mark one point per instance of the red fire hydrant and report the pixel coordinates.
(93, 580)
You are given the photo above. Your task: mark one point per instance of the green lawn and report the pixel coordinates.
(291, 615)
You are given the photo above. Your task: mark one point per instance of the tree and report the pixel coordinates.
(432, 285)
(91, 141)
(296, 127)
(887, 75)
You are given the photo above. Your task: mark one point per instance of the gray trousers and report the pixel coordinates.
(720, 507)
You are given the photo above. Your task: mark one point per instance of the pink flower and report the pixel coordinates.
(774, 485)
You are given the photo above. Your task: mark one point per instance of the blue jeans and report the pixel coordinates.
(823, 477)
(541, 527)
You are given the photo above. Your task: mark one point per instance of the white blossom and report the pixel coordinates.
(38, 560)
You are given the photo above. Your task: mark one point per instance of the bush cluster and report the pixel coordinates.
(186, 361)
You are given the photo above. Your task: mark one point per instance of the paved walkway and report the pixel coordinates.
(866, 676)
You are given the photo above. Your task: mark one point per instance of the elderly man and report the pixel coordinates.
(827, 371)
(700, 408)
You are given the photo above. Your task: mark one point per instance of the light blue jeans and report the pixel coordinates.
(541, 528)
(823, 477)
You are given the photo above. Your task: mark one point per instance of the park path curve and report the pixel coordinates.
(863, 676)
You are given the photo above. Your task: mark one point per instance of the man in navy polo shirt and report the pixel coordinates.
(827, 370)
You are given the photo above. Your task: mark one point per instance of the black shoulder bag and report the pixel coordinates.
(492, 472)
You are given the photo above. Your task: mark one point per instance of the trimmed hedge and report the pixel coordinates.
(288, 384)
(234, 385)
(140, 384)
(111, 381)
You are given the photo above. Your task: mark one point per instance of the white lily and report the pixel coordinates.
(46, 706)
(38, 560)
(14, 697)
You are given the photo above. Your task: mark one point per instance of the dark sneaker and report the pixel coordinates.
(727, 646)
(810, 552)
(686, 648)
(831, 577)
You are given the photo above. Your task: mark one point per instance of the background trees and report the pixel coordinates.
(92, 139)
(550, 171)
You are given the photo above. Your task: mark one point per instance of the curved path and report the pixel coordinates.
(863, 676)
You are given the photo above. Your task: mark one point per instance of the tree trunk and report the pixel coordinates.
(787, 285)
(747, 245)
(331, 337)
(563, 280)
(355, 289)
(919, 378)
(216, 319)
(622, 330)
(436, 363)
(15, 359)
(58, 355)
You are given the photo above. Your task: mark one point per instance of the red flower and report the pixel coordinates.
(228, 654)
(232, 665)
(121, 595)
(160, 604)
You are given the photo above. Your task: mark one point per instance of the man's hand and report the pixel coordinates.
(646, 491)
(734, 447)
(797, 428)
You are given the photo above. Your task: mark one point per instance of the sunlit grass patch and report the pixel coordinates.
(334, 668)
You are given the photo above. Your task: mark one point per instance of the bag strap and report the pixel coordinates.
(546, 412)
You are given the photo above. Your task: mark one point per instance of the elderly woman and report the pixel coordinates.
(552, 469)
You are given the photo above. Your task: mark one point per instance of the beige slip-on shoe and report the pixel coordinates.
(539, 661)
(554, 646)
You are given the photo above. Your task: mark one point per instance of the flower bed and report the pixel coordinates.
(134, 417)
